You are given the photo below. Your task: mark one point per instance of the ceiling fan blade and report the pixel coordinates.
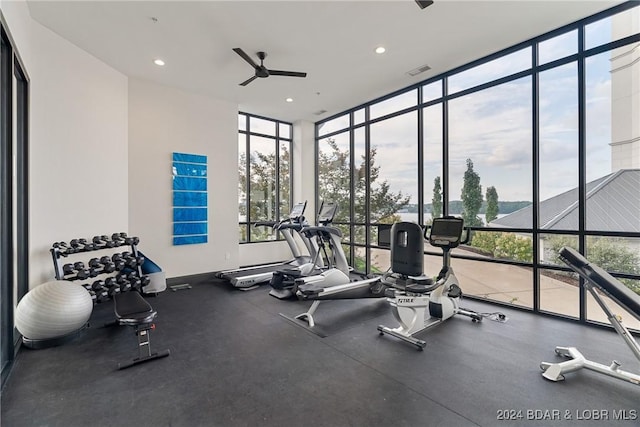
(287, 73)
(245, 56)
(246, 82)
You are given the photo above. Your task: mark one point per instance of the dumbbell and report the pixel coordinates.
(131, 262)
(108, 266)
(125, 257)
(112, 286)
(139, 260)
(117, 239)
(136, 284)
(74, 245)
(62, 248)
(122, 281)
(134, 280)
(60, 245)
(99, 242)
(83, 274)
(75, 270)
(94, 267)
(99, 290)
(80, 245)
(101, 266)
(86, 246)
(68, 269)
(117, 261)
(107, 242)
(97, 285)
(132, 240)
(102, 295)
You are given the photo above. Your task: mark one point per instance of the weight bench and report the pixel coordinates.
(131, 309)
(597, 279)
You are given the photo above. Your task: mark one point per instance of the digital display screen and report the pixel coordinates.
(446, 229)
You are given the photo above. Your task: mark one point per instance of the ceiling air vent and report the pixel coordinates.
(424, 3)
(317, 113)
(418, 70)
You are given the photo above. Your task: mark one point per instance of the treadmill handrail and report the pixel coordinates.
(265, 224)
(321, 230)
(293, 226)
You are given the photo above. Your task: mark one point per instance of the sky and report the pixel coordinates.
(493, 127)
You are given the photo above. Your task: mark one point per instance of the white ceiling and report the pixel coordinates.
(333, 41)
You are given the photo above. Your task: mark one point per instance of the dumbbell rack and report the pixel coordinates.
(111, 272)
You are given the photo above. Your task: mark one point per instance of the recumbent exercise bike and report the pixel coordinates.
(419, 302)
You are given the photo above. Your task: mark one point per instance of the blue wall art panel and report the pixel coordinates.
(189, 198)
(189, 228)
(189, 240)
(189, 169)
(190, 214)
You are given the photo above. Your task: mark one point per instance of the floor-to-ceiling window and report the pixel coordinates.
(537, 147)
(14, 212)
(264, 170)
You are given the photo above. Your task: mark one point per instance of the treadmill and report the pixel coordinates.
(251, 277)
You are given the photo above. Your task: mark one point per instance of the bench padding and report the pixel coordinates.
(131, 308)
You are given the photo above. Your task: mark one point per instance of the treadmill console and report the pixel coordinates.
(327, 212)
(297, 210)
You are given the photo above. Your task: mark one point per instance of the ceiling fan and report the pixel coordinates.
(261, 70)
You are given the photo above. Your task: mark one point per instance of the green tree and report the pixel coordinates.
(492, 210)
(334, 184)
(471, 197)
(436, 201)
(262, 189)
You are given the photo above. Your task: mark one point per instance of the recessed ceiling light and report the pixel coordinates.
(159, 62)
(380, 49)
(289, 99)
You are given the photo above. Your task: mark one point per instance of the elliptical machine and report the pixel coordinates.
(418, 302)
(283, 280)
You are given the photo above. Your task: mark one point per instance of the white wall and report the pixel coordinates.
(100, 158)
(164, 120)
(304, 174)
(78, 141)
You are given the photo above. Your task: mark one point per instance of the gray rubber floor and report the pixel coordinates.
(235, 361)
